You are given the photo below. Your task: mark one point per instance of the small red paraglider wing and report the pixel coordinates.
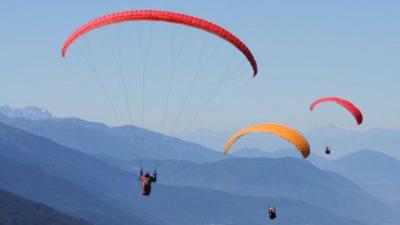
(163, 16)
(346, 104)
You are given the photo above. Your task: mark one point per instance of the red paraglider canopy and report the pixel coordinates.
(346, 104)
(163, 16)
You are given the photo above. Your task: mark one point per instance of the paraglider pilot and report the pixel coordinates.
(327, 150)
(271, 212)
(146, 180)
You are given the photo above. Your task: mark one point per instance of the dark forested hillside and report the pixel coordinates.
(15, 210)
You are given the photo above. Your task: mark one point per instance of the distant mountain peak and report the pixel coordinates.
(28, 112)
(373, 155)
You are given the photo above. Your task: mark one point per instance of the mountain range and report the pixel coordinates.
(197, 187)
(84, 186)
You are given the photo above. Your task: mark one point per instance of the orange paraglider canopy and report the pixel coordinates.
(280, 130)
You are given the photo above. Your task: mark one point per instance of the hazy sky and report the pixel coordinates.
(305, 50)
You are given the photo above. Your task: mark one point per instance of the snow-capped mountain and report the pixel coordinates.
(28, 112)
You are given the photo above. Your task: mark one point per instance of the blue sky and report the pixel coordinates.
(305, 50)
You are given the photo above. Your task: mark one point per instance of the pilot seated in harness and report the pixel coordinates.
(146, 180)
